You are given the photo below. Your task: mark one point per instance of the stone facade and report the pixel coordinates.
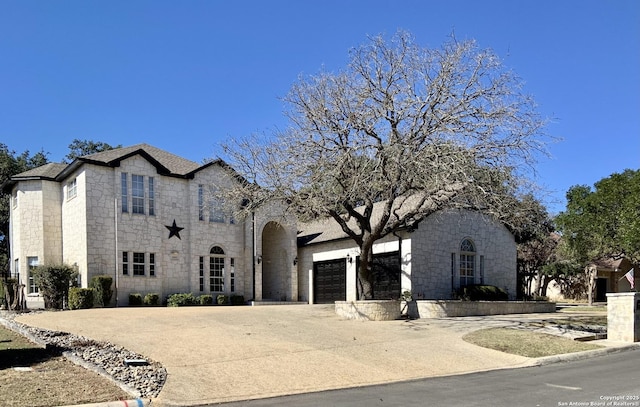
(623, 317)
(429, 256)
(84, 216)
(109, 213)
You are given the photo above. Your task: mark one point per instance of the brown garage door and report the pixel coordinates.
(329, 281)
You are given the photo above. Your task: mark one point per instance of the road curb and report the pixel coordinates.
(120, 403)
(568, 357)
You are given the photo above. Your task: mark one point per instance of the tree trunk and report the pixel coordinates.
(591, 272)
(365, 272)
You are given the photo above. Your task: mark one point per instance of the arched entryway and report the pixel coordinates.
(275, 263)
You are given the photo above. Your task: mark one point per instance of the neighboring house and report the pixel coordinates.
(150, 219)
(610, 278)
(448, 250)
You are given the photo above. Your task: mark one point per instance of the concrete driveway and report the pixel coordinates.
(220, 354)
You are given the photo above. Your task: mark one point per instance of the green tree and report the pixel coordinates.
(406, 129)
(10, 165)
(79, 148)
(603, 222)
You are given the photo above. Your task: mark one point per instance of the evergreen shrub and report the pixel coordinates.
(54, 280)
(103, 292)
(135, 299)
(151, 299)
(81, 298)
(181, 300)
(205, 299)
(482, 293)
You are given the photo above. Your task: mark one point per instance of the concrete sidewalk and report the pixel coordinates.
(220, 354)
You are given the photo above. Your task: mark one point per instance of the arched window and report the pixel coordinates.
(216, 269)
(467, 262)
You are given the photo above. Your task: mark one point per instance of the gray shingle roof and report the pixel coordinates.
(47, 171)
(173, 163)
(165, 162)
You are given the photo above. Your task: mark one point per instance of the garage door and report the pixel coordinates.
(329, 281)
(386, 276)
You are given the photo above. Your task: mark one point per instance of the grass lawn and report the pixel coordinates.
(51, 381)
(523, 342)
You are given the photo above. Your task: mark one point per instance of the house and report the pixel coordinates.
(149, 219)
(152, 220)
(448, 250)
(610, 278)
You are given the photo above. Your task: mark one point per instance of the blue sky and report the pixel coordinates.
(186, 75)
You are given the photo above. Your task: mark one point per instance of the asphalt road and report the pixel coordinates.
(610, 380)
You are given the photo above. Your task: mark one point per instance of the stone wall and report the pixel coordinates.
(369, 310)
(623, 317)
(451, 308)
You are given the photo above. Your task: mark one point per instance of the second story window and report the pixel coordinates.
(200, 202)
(124, 192)
(137, 194)
(152, 197)
(72, 188)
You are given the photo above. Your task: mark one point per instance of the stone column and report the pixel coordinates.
(623, 317)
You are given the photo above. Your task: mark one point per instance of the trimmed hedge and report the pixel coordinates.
(482, 293)
(151, 299)
(80, 298)
(135, 299)
(237, 300)
(205, 299)
(102, 286)
(223, 299)
(181, 300)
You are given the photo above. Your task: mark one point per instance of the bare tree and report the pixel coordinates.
(402, 132)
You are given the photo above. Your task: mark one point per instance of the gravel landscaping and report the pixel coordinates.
(145, 380)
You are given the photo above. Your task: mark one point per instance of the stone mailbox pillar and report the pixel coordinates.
(623, 317)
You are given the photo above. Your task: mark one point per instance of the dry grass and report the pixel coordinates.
(53, 380)
(525, 343)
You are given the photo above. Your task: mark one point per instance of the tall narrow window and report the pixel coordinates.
(137, 194)
(200, 202)
(232, 275)
(32, 262)
(138, 264)
(467, 262)
(453, 272)
(481, 269)
(152, 197)
(124, 192)
(201, 273)
(216, 213)
(16, 269)
(14, 198)
(152, 264)
(216, 269)
(72, 188)
(125, 263)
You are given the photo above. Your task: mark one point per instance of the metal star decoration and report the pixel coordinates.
(174, 230)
